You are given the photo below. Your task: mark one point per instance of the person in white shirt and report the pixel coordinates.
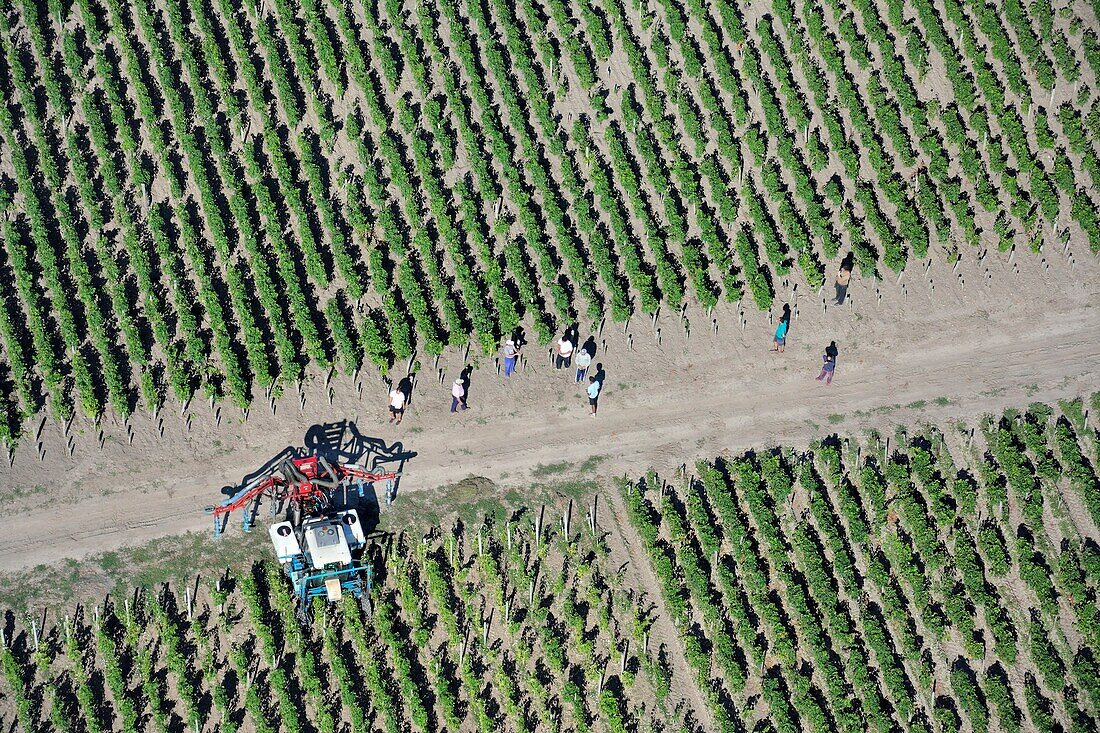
(584, 360)
(458, 395)
(563, 352)
(511, 355)
(397, 405)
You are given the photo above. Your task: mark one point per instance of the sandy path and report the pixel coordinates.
(982, 347)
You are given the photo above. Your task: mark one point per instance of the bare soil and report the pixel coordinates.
(954, 353)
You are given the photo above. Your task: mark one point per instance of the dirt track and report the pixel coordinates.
(981, 347)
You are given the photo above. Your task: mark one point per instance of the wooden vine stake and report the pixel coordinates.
(538, 526)
(565, 519)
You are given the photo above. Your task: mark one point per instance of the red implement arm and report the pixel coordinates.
(303, 483)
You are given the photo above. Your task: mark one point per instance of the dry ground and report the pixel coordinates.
(951, 354)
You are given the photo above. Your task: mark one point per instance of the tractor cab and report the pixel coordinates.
(323, 556)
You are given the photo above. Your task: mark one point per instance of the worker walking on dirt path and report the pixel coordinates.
(843, 277)
(511, 356)
(594, 388)
(780, 341)
(458, 394)
(584, 360)
(397, 405)
(563, 352)
(828, 363)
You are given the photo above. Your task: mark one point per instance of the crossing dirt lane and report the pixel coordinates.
(923, 354)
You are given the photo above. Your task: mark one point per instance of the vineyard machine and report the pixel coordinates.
(321, 548)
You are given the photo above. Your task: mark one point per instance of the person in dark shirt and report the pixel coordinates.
(828, 363)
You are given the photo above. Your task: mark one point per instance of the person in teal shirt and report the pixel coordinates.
(593, 394)
(781, 335)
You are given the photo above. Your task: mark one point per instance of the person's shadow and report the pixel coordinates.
(832, 351)
(519, 338)
(848, 262)
(589, 346)
(465, 375)
(405, 387)
(572, 334)
(600, 375)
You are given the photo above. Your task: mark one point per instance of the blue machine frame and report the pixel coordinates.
(350, 579)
